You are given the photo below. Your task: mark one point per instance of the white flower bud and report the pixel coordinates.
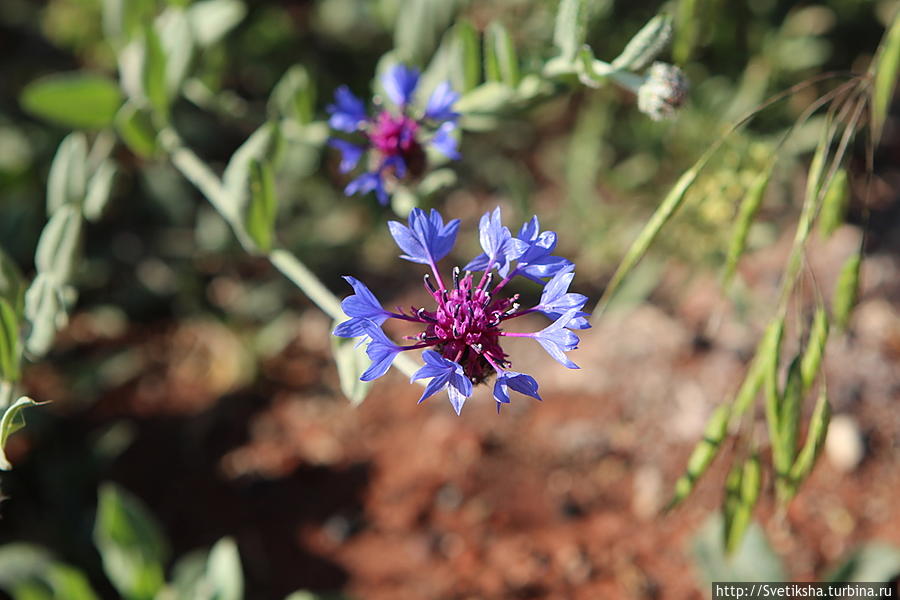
(663, 92)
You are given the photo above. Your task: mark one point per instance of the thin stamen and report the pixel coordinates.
(429, 284)
(456, 277)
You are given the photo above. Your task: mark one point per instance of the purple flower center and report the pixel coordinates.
(394, 135)
(465, 326)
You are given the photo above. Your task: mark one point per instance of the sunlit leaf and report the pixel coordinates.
(77, 100)
(211, 20)
(351, 363)
(130, 542)
(571, 28)
(11, 422)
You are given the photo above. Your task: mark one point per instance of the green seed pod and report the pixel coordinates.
(789, 418)
(846, 291)
(745, 482)
(834, 207)
(746, 214)
(815, 349)
(704, 453)
(815, 439)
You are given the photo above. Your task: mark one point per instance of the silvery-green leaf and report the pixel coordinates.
(130, 543)
(419, 26)
(66, 181)
(501, 63)
(99, 189)
(351, 363)
(752, 560)
(177, 41)
(571, 28)
(43, 307)
(294, 96)
(262, 145)
(211, 20)
(58, 245)
(223, 571)
(122, 19)
(646, 44)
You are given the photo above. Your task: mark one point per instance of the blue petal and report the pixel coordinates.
(542, 268)
(356, 326)
(444, 142)
(381, 352)
(557, 340)
(479, 263)
(524, 384)
(493, 236)
(579, 321)
(440, 104)
(427, 239)
(400, 83)
(444, 373)
(363, 303)
(397, 163)
(350, 153)
(347, 112)
(366, 183)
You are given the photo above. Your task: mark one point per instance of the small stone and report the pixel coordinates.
(844, 446)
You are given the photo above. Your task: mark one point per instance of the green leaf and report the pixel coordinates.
(261, 145)
(815, 348)
(99, 189)
(294, 96)
(78, 100)
(57, 248)
(746, 214)
(646, 44)
(12, 285)
(752, 560)
(67, 180)
(703, 454)
(20, 561)
(135, 126)
(69, 583)
(123, 19)
(469, 57)
(153, 73)
(11, 422)
(872, 562)
(846, 291)
(223, 571)
(130, 542)
(419, 26)
(815, 439)
(886, 74)
(351, 363)
(211, 20)
(263, 204)
(834, 206)
(500, 60)
(10, 342)
(571, 28)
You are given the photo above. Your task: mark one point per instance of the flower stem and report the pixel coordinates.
(210, 185)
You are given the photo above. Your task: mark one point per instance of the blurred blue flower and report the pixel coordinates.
(461, 336)
(395, 140)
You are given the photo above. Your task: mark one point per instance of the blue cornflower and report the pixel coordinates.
(395, 139)
(462, 335)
